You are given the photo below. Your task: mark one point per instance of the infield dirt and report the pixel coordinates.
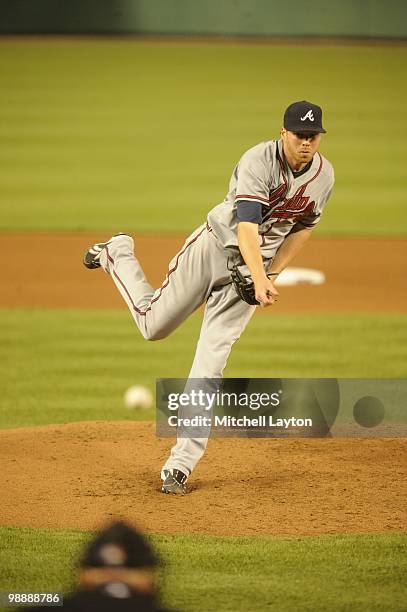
(78, 474)
(46, 271)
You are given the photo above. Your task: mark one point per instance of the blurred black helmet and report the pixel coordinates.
(119, 545)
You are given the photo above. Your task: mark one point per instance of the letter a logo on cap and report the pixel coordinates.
(308, 115)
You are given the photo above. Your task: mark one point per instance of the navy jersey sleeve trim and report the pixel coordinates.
(249, 211)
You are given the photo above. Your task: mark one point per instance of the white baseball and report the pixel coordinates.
(138, 397)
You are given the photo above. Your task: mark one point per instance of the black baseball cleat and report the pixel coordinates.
(174, 481)
(92, 257)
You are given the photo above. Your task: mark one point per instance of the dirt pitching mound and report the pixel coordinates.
(79, 474)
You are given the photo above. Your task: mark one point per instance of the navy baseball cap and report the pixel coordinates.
(303, 117)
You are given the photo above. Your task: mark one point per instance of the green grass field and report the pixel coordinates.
(104, 134)
(62, 366)
(250, 574)
(95, 132)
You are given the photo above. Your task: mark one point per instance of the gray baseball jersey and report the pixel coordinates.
(286, 198)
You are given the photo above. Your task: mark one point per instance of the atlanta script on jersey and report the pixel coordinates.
(263, 175)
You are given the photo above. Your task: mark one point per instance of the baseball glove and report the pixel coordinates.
(244, 286)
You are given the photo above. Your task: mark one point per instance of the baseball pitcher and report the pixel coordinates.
(276, 196)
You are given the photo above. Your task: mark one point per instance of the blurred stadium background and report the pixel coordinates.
(349, 18)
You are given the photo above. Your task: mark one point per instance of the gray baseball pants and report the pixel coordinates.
(198, 274)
